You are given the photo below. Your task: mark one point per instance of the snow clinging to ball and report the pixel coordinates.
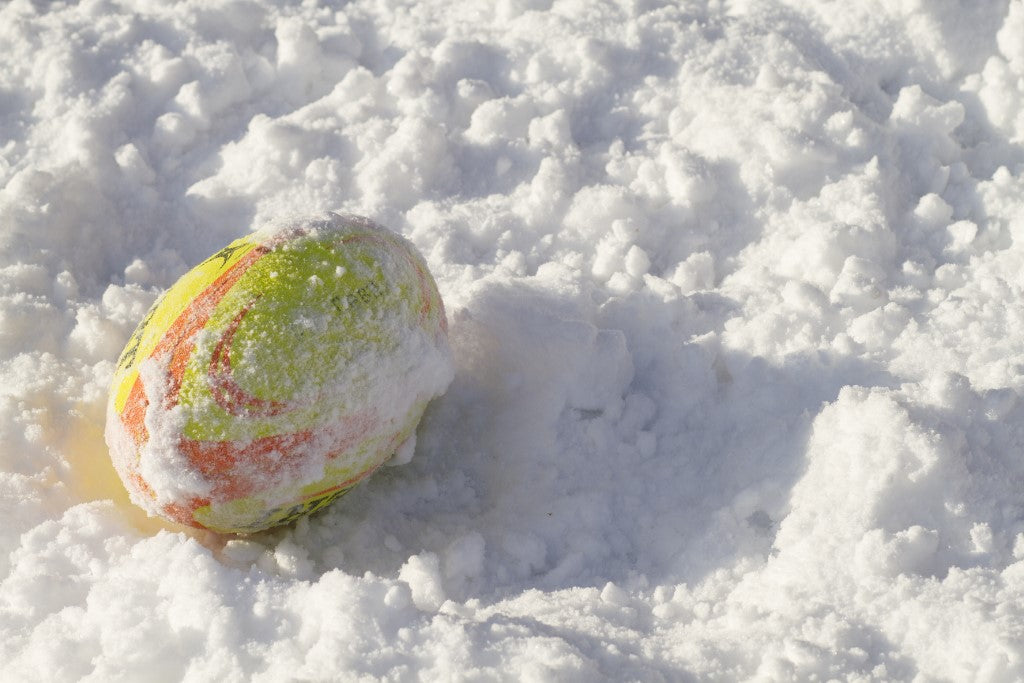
(278, 373)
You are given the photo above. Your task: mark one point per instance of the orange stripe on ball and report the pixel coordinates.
(177, 342)
(239, 468)
(228, 394)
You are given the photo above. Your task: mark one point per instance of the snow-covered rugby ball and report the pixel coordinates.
(276, 374)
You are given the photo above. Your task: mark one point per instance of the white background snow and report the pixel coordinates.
(735, 295)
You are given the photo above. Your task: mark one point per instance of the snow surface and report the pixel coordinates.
(734, 292)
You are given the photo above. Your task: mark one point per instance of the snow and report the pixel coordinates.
(735, 300)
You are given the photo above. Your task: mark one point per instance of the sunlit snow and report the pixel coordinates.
(735, 292)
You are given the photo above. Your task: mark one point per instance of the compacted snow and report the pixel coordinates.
(734, 292)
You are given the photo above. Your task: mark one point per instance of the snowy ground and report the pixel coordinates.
(735, 295)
